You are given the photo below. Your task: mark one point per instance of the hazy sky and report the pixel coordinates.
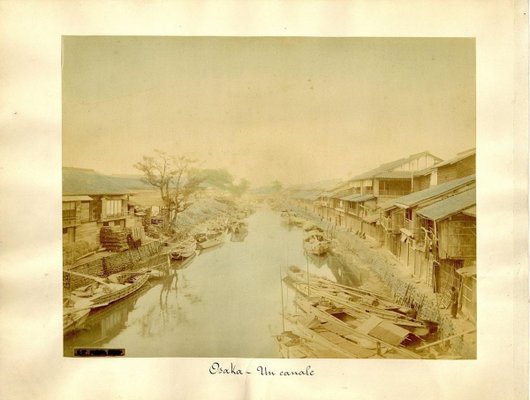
(293, 109)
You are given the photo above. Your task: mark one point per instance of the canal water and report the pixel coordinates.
(226, 303)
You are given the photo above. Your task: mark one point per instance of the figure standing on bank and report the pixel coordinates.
(454, 302)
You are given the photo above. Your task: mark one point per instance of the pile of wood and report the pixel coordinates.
(146, 219)
(113, 238)
(152, 232)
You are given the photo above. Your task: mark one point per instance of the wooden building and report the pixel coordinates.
(307, 200)
(402, 229)
(357, 206)
(330, 206)
(447, 243)
(90, 201)
(460, 166)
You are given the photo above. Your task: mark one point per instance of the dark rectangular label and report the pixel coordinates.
(95, 352)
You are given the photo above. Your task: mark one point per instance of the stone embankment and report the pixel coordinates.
(151, 253)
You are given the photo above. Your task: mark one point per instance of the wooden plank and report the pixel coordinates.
(446, 339)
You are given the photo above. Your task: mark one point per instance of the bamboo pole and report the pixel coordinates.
(283, 307)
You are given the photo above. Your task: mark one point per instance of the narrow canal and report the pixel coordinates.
(226, 303)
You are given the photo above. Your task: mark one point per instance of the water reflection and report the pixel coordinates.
(103, 324)
(342, 273)
(225, 302)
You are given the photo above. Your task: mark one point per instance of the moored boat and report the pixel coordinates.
(359, 304)
(184, 249)
(210, 239)
(238, 226)
(100, 294)
(183, 263)
(74, 318)
(316, 243)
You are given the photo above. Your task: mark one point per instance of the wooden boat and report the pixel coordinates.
(183, 263)
(184, 249)
(310, 226)
(367, 331)
(294, 346)
(238, 226)
(357, 302)
(297, 221)
(318, 333)
(286, 216)
(74, 318)
(100, 294)
(210, 239)
(316, 243)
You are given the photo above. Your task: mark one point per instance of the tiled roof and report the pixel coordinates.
(340, 193)
(351, 197)
(460, 156)
(385, 168)
(362, 198)
(450, 206)
(77, 198)
(77, 181)
(414, 198)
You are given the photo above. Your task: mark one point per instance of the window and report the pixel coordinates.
(113, 208)
(69, 211)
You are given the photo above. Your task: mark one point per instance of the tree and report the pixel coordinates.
(241, 188)
(176, 178)
(277, 186)
(222, 179)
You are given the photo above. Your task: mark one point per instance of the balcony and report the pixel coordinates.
(386, 223)
(119, 215)
(71, 221)
(408, 224)
(393, 193)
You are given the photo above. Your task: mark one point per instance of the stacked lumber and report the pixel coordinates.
(113, 238)
(146, 219)
(152, 232)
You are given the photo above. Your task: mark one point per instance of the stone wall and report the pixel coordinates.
(127, 260)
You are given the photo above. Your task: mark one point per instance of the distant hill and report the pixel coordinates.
(309, 188)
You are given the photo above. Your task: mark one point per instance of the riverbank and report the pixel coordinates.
(226, 303)
(152, 252)
(384, 273)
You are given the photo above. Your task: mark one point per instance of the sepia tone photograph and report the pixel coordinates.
(269, 197)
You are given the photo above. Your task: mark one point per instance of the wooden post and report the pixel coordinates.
(283, 307)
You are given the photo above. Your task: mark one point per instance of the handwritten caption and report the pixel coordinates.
(218, 369)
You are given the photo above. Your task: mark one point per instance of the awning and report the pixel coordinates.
(118, 197)
(371, 218)
(407, 232)
(467, 272)
(350, 197)
(77, 198)
(447, 207)
(471, 211)
(362, 198)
